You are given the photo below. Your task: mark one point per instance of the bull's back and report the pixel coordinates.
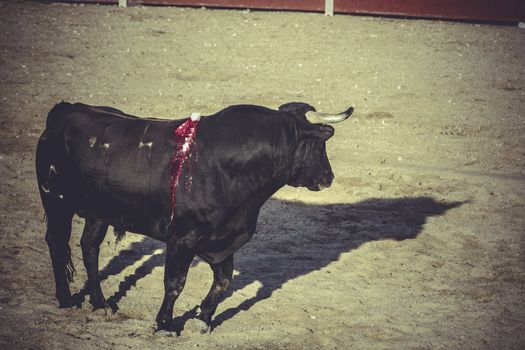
(106, 164)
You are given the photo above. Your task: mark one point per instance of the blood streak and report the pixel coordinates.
(184, 136)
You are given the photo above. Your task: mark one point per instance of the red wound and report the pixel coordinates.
(184, 136)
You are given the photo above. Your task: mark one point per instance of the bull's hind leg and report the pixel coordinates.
(93, 235)
(222, 275)
(57, 238)
(59, 214)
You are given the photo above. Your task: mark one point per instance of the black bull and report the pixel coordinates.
(114, 169)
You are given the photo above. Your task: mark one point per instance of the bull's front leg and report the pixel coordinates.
(222, 275)
(178, 260)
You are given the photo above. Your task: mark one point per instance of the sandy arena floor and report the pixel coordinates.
(419, 244)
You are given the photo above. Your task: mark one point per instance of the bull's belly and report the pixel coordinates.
(220, 251)
(136, 220)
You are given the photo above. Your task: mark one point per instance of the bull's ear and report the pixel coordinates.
(319, 132)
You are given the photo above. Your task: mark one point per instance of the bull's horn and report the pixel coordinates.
(318, 117)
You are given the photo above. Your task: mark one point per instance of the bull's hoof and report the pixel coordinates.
(164, 327)
(101, 307)
(163, 333)
(67, 303)
(106, 312)
(196, 326)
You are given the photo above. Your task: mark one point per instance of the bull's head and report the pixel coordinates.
(311, 168)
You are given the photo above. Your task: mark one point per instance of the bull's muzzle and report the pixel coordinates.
(322, 182)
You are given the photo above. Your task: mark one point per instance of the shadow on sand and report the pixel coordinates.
(281, 250)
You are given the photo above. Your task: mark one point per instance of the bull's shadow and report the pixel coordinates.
(294, 239)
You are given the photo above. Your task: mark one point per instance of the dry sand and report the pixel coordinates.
(419, 243)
